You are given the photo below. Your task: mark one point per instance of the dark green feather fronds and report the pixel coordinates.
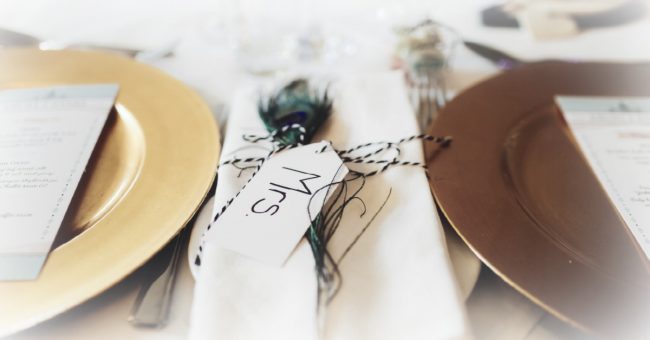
(292, 116)
(295, 104)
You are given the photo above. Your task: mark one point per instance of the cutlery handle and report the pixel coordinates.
(151, 308)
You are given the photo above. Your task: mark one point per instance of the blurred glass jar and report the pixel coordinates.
(270, 36)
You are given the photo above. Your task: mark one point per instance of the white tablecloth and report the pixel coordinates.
(206, 64)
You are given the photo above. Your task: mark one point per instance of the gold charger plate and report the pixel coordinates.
(151, 169)
(518, 191)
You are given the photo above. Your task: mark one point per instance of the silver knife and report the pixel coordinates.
(501, 59)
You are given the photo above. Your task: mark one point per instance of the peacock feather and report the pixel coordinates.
(295, 104)
(292, 116)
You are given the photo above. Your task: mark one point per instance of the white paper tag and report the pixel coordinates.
(614, 135)
(269, 217)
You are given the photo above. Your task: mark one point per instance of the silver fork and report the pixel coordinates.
(432, 96)
(425, 50)
(9, 38)
(424, 109)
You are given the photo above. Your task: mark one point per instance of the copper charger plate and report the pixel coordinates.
(149, 172)
(516, 188)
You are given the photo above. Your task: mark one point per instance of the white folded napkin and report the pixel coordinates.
(396, 280)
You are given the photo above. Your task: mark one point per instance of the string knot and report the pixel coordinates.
(277, 135)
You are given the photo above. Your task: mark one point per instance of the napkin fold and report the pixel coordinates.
(396, 280)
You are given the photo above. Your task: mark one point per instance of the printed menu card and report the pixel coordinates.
(614, 135)
(46, 138)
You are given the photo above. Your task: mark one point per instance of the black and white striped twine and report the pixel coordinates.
(346, 156)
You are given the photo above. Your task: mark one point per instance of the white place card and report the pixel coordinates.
(46, 138)
(271, 214)
(614, 136)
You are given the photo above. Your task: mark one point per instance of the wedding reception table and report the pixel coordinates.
(203, 59)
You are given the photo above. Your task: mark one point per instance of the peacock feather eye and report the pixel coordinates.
(296, 104)
(296, 117)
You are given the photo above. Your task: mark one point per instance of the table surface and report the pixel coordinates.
(204, 61)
